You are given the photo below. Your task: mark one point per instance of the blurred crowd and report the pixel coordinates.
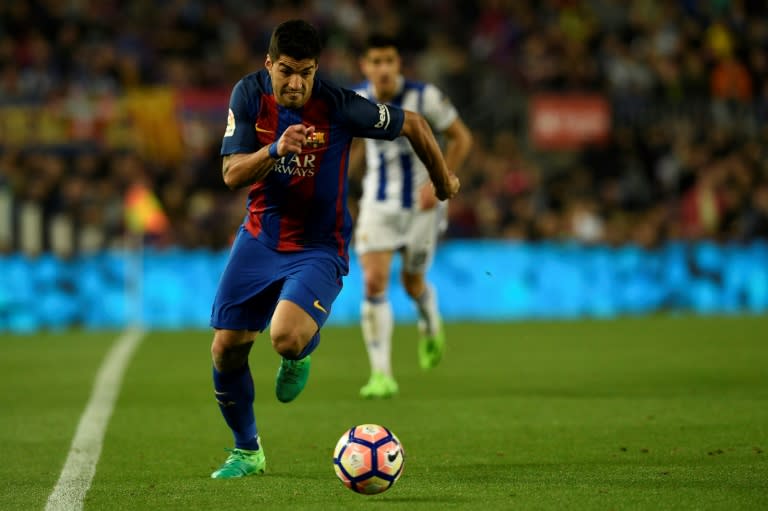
(687, 82)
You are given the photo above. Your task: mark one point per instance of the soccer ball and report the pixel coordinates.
(368, 459)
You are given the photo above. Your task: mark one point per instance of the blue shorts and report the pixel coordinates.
(257, 277)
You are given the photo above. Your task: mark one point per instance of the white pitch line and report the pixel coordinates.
(77, 474)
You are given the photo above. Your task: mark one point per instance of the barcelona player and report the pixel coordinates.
(399, 213)
(288, 137)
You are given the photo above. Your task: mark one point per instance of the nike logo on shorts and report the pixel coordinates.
(317, 305)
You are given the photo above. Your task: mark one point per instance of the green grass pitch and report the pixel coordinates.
(652, 413)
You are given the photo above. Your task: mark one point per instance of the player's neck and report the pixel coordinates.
(382, 97)
(387, 96)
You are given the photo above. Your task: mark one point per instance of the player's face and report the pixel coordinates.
(292, 80)
(381, 66)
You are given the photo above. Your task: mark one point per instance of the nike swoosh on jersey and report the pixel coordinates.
(317, 305)
(262, 130)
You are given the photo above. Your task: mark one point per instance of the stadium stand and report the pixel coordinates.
(597, 122)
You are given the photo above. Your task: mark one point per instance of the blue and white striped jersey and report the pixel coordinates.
(394, 172)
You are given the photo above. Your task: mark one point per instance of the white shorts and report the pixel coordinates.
(414, 232)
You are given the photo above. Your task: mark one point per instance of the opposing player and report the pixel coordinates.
(400, 213)
(288, 137)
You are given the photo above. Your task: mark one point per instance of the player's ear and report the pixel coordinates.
(268, 62)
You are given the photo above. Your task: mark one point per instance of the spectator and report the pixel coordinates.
(671, 71)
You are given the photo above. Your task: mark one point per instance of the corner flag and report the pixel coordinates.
(143, 212)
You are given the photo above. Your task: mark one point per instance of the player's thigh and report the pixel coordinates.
(248, 289)
(291, 322)
(419, 249)
(376, 267)
(379, 229)
(312, 285)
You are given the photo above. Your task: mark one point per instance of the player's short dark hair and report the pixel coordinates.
(378, 40)
(296, 39)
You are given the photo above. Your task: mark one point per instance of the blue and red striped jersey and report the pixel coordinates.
(302, 203)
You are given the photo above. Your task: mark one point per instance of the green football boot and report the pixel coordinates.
(241, 463)
(291, 378)
(431, 349)
(379, 386)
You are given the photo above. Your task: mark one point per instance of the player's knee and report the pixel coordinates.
(288, 342)
(229, 350)
(413, 285)
(375, 283)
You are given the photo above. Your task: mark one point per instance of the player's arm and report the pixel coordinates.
(458, 142)
(246, 160)
(357, 158)
(379, 121)
(242, 169)
(423, 141)
(457, 146)
(239, 170)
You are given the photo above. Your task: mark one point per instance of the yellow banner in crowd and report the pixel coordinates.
(152, 116)
(145, 120)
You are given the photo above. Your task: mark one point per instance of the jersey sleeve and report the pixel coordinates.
(438, 109)
(366, 119)
(240, 134)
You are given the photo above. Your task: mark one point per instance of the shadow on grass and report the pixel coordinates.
(427, 499)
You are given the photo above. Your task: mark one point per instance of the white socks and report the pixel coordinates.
(429, 316)
(377, 323)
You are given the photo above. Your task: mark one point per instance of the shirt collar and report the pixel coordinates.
(398, 88)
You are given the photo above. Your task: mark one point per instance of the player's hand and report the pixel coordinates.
(427, 198)
(449, 188)
(293, 138)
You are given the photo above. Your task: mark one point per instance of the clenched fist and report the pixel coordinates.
(293, 138)
(449, 188)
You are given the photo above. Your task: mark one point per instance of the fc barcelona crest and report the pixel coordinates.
(315, 140)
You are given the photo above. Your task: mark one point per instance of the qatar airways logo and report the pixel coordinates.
(296, 165)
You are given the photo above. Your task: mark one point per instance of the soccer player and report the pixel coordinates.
(288, 137)
(400, 213)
